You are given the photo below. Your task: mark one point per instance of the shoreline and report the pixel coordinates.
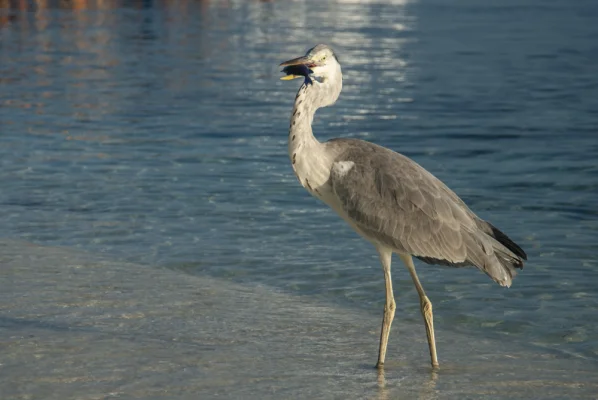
(75, 325)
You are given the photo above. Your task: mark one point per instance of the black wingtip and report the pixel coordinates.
(509, 244)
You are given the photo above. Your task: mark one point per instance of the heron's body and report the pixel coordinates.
(389, 199)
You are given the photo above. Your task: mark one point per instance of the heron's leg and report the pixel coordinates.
(389, 306)
(426, 308)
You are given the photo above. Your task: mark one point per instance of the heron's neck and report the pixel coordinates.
(300, 133)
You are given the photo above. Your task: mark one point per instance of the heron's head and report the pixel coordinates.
(321, 70)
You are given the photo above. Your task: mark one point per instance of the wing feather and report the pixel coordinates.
(396, 202)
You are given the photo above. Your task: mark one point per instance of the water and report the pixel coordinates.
(78, 326)
(155, 132)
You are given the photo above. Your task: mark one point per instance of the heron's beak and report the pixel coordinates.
(298, 61)
(297, 68)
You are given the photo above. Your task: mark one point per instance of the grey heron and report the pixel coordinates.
(388, 198)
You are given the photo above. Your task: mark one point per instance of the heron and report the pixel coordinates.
(387, 198)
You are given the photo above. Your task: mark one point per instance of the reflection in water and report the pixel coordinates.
(427, 389)
(93, 51)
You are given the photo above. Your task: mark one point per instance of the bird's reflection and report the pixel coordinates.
(428, 386)
(428, 390)
(382, 389)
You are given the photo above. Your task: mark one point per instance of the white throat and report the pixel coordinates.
(310, 163)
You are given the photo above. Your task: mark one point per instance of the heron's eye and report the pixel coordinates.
(323, 58)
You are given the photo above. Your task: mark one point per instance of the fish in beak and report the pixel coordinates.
(297, 68)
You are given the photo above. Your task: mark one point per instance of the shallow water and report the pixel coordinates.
(155, 132)
(74, 325)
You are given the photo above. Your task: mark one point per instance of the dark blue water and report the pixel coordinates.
(156, 132)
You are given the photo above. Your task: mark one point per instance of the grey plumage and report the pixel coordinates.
(393, 199)
(388, 198)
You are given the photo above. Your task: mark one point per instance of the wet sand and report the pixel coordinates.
(80, 326)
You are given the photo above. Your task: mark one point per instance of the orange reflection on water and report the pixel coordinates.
(64, 61)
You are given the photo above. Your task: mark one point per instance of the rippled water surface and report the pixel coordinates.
(156, 132)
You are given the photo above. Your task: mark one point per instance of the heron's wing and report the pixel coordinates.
(396, 202)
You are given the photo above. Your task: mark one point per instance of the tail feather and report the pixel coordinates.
(502, 256)
(491, 251)
(507, 242)
(485, 253)
(509, 265)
